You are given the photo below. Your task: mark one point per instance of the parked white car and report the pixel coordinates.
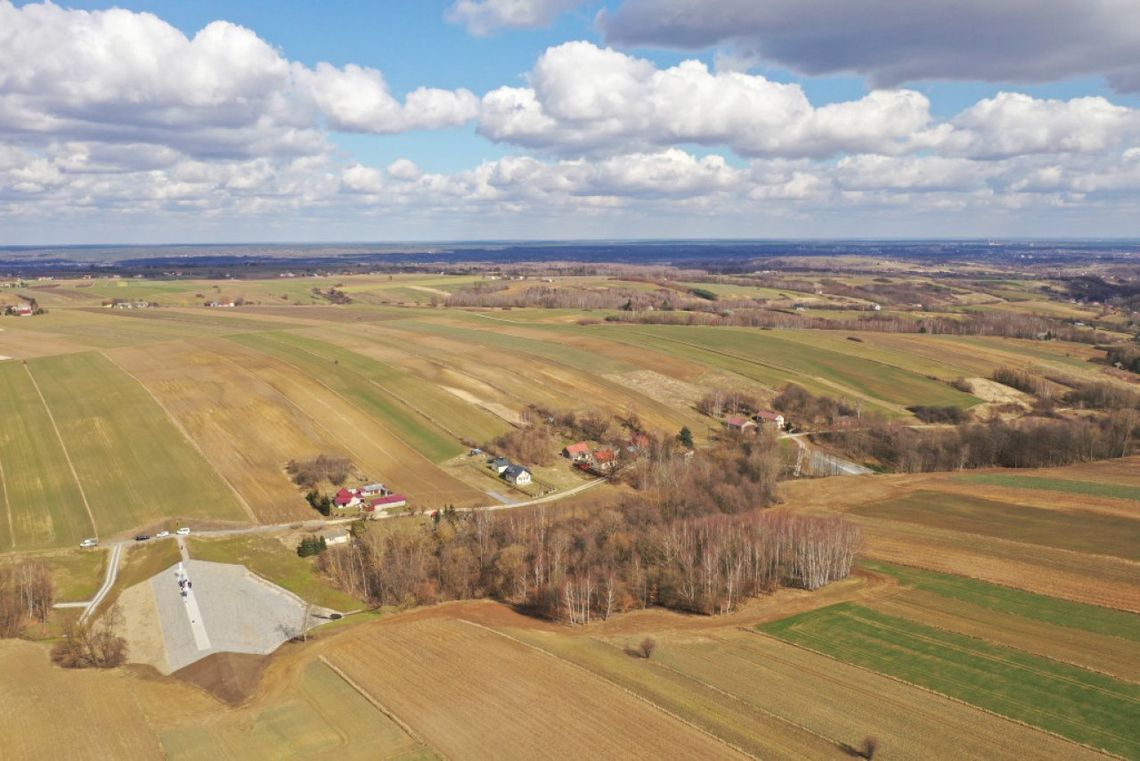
(89, 543)
(162, 535)
(183, 531)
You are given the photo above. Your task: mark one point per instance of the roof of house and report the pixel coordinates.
(604, 455)
(737, 421)
(501, 462)
(344, 496)
(334, 534)
(373, 487)
(514, 471)
(389, 500)
(768, 415)
(639, 440)
(580, 448)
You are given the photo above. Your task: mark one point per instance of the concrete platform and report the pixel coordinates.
(227, 609)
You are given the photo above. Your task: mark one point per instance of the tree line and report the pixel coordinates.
(1027, 443)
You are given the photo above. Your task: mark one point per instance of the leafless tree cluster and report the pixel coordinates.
(1022, 380)
(805, 408)
(533, 445)
(693, 537)
(1028, 443)
(323, 467)
(91, 645)
(580, 569)
(720, 402)
(27, 594)
(758, 315)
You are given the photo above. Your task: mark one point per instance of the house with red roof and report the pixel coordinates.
(577, 452)
(347, 498)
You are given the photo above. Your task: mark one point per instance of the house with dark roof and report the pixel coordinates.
(517, 475)
(499, 464)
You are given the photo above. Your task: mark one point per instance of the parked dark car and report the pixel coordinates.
(142, 537)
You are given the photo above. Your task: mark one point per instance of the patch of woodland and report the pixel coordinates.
(92, 644)
(333, 469)
(537, 440)
(939, 415)
(806, 409)
(695, 536)
(27, 594)
(333, 294)
(1026, 443)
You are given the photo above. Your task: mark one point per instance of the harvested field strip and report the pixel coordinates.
(134, 464)
(1097, 580)
(1076, 530)
(1082, 705)
(376, 451)
(1115, 657)
(49, 712)
(704, 705)
(102, 330)
(435, 407)
(846, 703)
(433, 442)
(510, 702)
(1052, 610)
(532, 342)
(781, 351)
(1090, 488)
(245, 428)
(42, 502)
(521, 379)
(208, 321)
(323, 717)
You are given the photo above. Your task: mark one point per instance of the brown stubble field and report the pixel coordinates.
(1084, 577)
(472, 692)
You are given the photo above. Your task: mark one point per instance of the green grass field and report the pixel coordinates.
(271, 560)
(1090, 488)
(1053, 610)
(1077, 530)
(1072, 702)
(40, 500)
(134, 464)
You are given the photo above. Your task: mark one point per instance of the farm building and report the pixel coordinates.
(577, 452)
(638, 442)
(769, 417)
(374, 490)
(739, 423)
(605, 459)
(499, 464)
(386, 502)
(517, 475)
(347, 498)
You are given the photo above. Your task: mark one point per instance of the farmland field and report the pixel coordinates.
(1082, 531)
(403, 667)
(323, 715)
(1073, 702)
(1090, 488)
(42, 501)
(134, 464)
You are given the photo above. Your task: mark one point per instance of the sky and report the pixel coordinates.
(195, 121)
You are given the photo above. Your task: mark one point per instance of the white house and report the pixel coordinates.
(517, 475)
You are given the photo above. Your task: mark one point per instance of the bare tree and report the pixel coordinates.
(870, 747)
(648, 645)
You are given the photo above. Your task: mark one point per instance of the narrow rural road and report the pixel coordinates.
(825, 464)
(108, 582)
